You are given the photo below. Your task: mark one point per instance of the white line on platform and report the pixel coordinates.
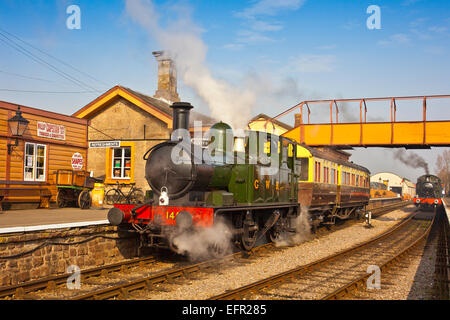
(52, 226)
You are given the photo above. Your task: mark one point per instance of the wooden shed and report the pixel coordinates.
(28, 162)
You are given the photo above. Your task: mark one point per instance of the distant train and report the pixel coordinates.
(428, 192)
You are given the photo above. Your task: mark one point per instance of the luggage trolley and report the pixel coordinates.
(74, 187)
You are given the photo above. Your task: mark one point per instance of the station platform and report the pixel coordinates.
(44, 219)
(447, 206)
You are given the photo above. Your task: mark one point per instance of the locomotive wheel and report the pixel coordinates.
(84, 200)
(60, 198)
(112, 197)
(276, 233)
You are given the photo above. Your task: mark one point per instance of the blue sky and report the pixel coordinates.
(285, 51)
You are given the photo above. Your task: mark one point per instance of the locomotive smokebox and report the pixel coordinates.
(181, 112)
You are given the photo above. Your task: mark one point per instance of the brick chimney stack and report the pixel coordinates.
(167, 78)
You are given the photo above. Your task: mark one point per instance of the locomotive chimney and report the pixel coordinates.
(181, 112)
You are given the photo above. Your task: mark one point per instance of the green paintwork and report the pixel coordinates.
(220, 199)
(250, 184)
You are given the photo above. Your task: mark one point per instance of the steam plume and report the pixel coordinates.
(198, 245)
(411, 159)
(181, 40)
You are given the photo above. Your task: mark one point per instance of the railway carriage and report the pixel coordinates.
(236, 185)
(332, 188)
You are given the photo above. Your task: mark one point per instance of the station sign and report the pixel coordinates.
(104, 144)
(51, 131)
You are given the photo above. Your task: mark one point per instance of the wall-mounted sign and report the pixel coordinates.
(104, 144)
(51, 131)
(77, 161)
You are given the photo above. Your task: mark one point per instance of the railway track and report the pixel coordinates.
(335, 276)
(23, 290)
(120, 288)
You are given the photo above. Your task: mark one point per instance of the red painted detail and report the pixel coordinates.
(426, 200)
(202, 217)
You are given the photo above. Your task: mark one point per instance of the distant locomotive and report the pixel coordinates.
(428, 192)
(235, 185)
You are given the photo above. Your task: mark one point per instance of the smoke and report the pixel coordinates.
(303, 230)
(411, 159)
(181, 40)
(198, 245)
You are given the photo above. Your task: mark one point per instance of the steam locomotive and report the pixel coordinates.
(261, 186)
(428, 192)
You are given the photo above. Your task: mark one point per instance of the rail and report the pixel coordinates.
(304, 270)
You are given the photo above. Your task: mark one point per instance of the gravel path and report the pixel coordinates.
(307, 252)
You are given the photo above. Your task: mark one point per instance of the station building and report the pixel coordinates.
(123, 124)
(401, 186)
(34, 145)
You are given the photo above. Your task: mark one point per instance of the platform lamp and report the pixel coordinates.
(17, 125)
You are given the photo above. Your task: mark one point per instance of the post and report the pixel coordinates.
(424, 119)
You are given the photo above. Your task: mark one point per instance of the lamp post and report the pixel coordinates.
(17, 125)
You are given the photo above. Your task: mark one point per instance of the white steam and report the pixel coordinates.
(181, 40)
(202, 243)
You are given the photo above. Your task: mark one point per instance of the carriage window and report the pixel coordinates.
(121, 166)
(304, 171)
(34, 162)
(317, 172)
(333, 176)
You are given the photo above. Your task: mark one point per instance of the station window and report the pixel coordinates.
(121, 163)
(34, 162)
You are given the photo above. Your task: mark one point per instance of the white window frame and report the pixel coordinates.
(122, 169)
(35, 147)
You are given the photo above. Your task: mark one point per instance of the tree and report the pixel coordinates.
(443, 169)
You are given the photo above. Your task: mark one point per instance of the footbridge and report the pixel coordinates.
(418, 134)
